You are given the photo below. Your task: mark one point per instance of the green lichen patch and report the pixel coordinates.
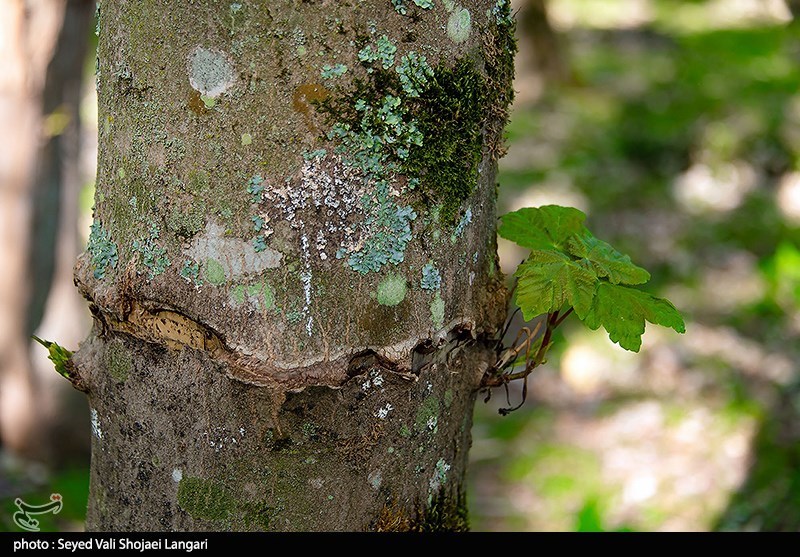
(204, 499)
(153, 256)
(214, 272)
(391, 290)
(238, 294)
(427, 417)
(401, 6)
(383, 52)
(333, 71)
(191, 272)
(258, 295)
(102, 250)
(118, 360)
(431, 278)
(437, 311)
(459, 25)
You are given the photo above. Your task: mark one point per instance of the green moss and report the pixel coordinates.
(204, 499)
(427, 415)
(405, 431)
(441, 117)
(391, 290)
(198, 182)
(499, 66)
(257, 515)
(446, 512)
(117, 360)
(449, 114)
(215, 273)
(448, 398)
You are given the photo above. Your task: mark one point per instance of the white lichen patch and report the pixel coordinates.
(96, 431)
(218, 438)
(177, 475)
(432, 424)
(210, 71)
(381, 413)
(375, 379)
(329, 188)
(462, 224)
(305, 276)
(236, 257)
(375, 478)
(439, 475)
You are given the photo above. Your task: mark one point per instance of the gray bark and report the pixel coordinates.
(241, 375)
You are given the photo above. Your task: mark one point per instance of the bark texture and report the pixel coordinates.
(293, 263)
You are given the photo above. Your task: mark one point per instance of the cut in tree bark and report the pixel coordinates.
(292, 266)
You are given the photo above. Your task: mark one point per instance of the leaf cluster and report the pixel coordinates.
(569, 267)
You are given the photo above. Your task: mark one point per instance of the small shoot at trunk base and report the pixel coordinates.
(62, 360)
(569, 270)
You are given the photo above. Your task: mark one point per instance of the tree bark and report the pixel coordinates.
(292, 268)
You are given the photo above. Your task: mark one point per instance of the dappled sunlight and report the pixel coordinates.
(788, 197)
(705, 189)
(555, 190)
(601, 14)
(725, 286)
(677, 15)
(738, 353)
(591, 362)
(726, 14)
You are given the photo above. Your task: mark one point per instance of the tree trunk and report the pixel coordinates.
(44, 52)
(549, 57)
(293, 267)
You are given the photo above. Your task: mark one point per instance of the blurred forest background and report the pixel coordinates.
(674, 124)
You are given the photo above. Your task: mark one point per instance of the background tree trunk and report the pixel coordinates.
(40, 92)
(292, 317)
(549, 57)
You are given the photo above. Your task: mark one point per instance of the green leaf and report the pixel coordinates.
(57, 354)
(622, 311)
(548, 280)
(542, 228)
(605, 261)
